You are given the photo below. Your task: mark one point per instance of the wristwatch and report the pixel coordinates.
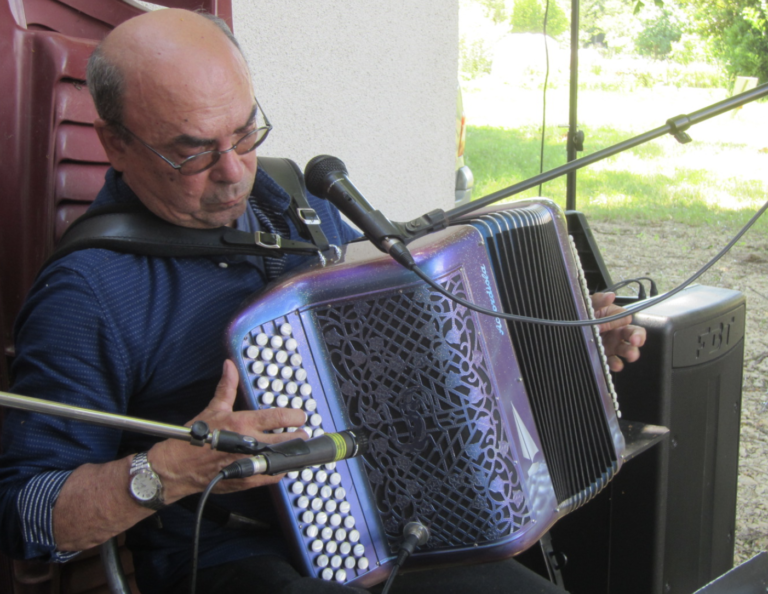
(146, 488)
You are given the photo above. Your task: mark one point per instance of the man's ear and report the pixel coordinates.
(114, 144)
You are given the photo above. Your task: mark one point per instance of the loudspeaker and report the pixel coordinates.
(666, 523)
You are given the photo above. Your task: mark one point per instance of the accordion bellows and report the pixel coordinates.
(483, 430)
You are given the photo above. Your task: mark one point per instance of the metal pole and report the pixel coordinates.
(571, 148)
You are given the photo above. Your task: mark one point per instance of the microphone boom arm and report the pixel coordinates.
(677, 126)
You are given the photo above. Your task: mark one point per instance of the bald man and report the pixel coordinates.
(141, 336)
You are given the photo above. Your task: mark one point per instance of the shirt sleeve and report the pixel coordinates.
(66, 352)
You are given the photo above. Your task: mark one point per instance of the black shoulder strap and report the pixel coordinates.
(132, 228)
(288, 176)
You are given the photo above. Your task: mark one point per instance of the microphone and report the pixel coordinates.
(326, 177)
(297, 454)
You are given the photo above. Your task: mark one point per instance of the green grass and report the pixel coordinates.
(700, 183)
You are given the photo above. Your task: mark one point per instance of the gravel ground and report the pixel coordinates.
(670, 252)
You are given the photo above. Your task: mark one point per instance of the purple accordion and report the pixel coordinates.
(483, 430)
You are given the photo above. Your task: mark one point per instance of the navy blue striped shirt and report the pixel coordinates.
(133, 335)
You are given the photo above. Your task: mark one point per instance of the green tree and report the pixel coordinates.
(658, 35)
(528, 17)
(738, 33)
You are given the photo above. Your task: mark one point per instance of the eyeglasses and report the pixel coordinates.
(207, 159)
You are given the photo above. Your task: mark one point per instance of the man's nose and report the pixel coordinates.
(229, 168)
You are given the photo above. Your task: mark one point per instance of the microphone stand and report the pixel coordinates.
(198, 434)
(438, 219)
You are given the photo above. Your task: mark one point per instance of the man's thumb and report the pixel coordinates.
(226, 390)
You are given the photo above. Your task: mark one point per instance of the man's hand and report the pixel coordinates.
(621, 340)
(186, 469)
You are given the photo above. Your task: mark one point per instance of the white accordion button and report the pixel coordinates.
(272, 370)
(354, 535)
(318, 432)
(281, 357)
(307, 517)
(330, 465)
(286, 373)
(326, 533)
(252, 352)
(335, 561)
(321, 475)
(294, 474)
(350, 562)
(340, 534)
(349, 522)
(362, 563)
(285, 329)
(297, 488)
(257, 367)
(335, 478)
(322, 561)
(330, 506)
(341, 576)
(277, 385)
(296, 402)
(325, 491)
(303, 502)
(267, 354)
(311, 406)
(340, 493)
(327, 574)
(276, 342)
(358, 550)
(312, 531)
(262, 339)
(321, 518)
(315, 420)
(312, 489)
(306, 475)
(344, 507)
(291, 387)
(316, 546)
(305, 389)
(268, 398)
(262, 383)
(345, 548)
(335, 520)
(281, 400)
(291, 344)
(330, 547)
(296, 361)
(317, 503)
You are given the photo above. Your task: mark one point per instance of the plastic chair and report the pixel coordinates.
(53, 167)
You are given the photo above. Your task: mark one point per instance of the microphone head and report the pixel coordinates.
(316, 173)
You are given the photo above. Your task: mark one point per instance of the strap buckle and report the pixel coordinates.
(263, 240)
(308, 216)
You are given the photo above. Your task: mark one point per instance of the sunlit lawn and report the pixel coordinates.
(721, 176)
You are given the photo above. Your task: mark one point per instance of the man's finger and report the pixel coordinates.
(226, 391)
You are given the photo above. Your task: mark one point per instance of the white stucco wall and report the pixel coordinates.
(371, 83)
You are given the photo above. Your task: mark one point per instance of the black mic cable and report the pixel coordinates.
(415, 535)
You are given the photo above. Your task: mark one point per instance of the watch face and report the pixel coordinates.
(145, 485)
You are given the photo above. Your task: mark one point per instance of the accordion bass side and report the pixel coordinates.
(484, 431)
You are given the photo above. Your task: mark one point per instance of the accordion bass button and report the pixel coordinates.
(354, 536)
(331, 547)
(341, 576)
(350, 562)
(252, 352)
(262, 339)
(308, 517)
(362, 563)
(321, 518)
(268, 398)
(296, 402)
(291, 344)
(281, 357)
(286, 329)
(327, 574)
(326, 533)
(340, 535)
(335, 478)
(303, 502)
(316, 545)
(321, 475)
(339, 494)
(296, 361)
(272, 370)
(317, 503)
(312, 531)
(335, 520)
(291, 387)
(297, 488)
(323, 561)
(325, 491)
(310, 405)
(344, 507)
(287, 373)
(267, 354)
(282, 401)
(349, 522)
(358, 550)
(257, 367)
(312, 489)
(276, 342)
(345, 549)
(306, 475)
(315, 420)
(305, 389)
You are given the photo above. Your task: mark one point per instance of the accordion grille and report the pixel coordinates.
(533, 280)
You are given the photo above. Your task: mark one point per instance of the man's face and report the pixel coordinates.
(180, 118)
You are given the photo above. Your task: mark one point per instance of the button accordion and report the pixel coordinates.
(484, 431)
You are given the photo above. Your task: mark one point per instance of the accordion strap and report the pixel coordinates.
(134, 229)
